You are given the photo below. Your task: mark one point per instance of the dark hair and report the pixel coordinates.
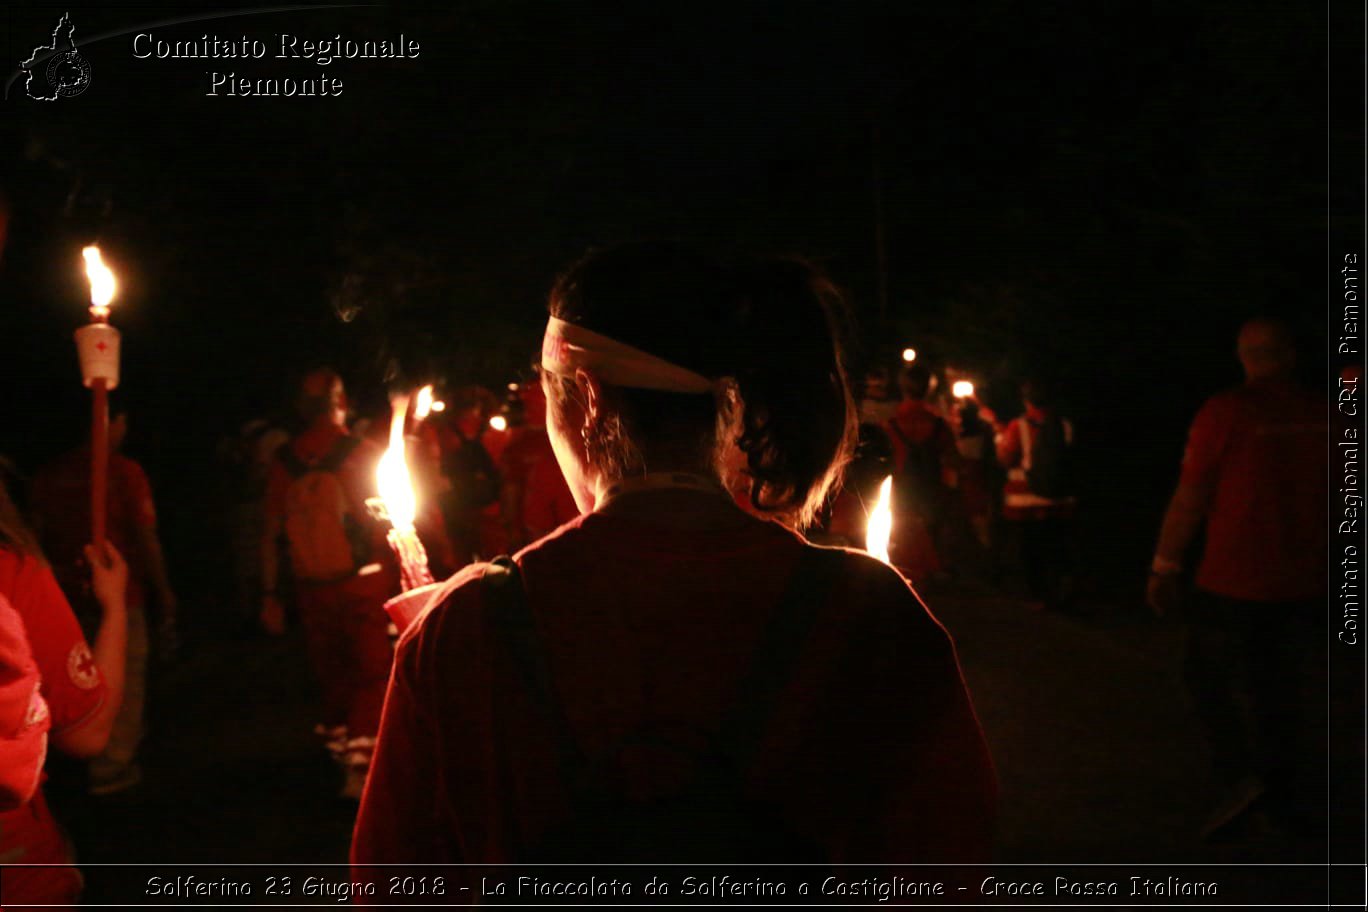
(15, 534)
(915, 380)
(770, 326)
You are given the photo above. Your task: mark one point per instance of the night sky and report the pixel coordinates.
(1100, 191)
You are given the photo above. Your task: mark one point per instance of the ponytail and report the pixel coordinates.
(799, 420)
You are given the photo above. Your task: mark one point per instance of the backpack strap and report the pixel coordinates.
(779, 648)
(898, 432)
(777, 653)
(331, 461)
(506, 596)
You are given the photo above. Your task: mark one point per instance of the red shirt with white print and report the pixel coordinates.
(24, 717)
(1260, 450)
(74, 689)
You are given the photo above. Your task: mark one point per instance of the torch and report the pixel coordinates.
(880, 526)
(963, 389)
(97, 345)
(398, 504)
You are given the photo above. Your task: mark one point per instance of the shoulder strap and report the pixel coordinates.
(898, 432)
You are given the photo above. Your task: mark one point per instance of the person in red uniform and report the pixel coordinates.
(83, 689)
(61, 509)
(926, 468)
(1254, 475)
(534, 492)
(654, 607)
(315, 501)
(24, 716)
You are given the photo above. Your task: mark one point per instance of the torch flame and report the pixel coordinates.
(499, 423)
(962, 389)
(909, 355)
(102, 282)
(880, 526)
(422, 405)
(392, 476)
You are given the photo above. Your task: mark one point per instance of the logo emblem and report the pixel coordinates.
(67, 73)
(37, 711)
(81, 667)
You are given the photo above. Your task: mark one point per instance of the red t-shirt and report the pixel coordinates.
(61, 499)
(71, 685)
(1260, 448)
(918, 424)
(873, 750)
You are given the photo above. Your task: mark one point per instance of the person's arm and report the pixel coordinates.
(397, 822)
(929, 791)
(1186, 512)
(1188, 507)
(109, 581)
(941, 801)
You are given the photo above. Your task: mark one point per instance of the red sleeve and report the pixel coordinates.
(396, 822)
(1206, 442)
(23, 713)
(72, 685)
(930, 784)
(399, 819)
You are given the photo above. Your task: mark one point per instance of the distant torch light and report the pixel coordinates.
(422, 404)
(438, 405)
(963, 389)
(499, 423)
(909, 355)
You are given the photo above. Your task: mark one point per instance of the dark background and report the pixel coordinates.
(1101, 192)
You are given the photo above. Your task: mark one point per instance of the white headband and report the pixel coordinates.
(566, 347)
